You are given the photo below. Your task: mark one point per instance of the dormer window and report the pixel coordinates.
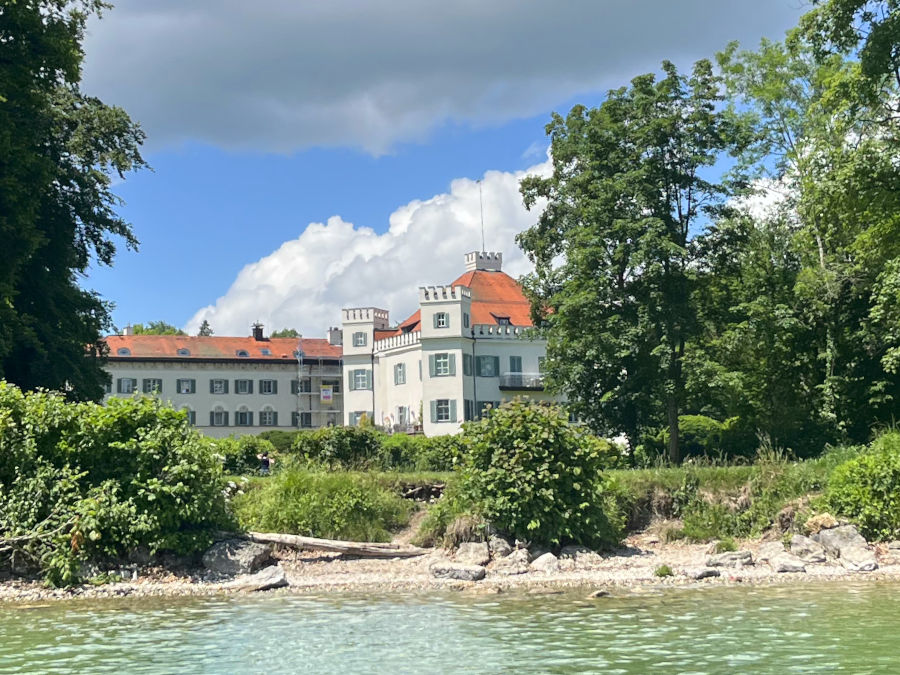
(242, 353)
(123, 351)
(502, 320)
(184, 352)
(265, 352)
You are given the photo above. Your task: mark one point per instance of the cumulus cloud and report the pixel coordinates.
(305, 283)
(282, 75)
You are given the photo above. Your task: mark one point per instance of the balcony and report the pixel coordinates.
(521, 382)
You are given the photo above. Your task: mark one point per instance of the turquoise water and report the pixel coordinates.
(853, 629)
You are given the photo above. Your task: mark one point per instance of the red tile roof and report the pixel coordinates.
(215, 347)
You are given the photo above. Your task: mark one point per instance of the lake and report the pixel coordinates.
(788, 629)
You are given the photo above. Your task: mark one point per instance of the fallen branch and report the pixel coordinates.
(362, 549)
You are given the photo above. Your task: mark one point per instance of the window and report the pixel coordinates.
(268, 386)
(442, 320)
(334, 384)
(126, 385)
(487, 366)
(465, 320)
(242, 353)
(484, 407)
(123, 351)
(402, 416)
(443, 410)
(265, 352)
(107, 387)
(354, 418)
(191, 415)
(400, 373)
(360, 379)
(218, 418)
(503, 321)
(468, 410)
(218, 386)
(305, 420)
(303, 386)
(243, 418)
(467, 364)
(441, 365)
(541, 361)
(186, 386)
(515, 364)
(243, 386)
(184, 352)
(268, 418)
(151, 385)
(359, 339)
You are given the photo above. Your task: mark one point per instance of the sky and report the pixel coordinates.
(309, 156)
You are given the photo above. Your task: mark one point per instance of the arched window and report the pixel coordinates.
(184, 352)
(268, 417)
(242, 353)
(123, 351)
(265, 352)
(243, 417)
(218, 417)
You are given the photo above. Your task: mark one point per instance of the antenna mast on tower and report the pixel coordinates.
(481, 209)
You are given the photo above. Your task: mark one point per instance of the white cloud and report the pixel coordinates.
(282, 75)
(305, 283)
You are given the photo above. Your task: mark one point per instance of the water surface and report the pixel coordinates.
(803, 629)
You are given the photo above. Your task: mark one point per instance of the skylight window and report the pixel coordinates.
(242, 353)
(265, 352)
(123, 351)
(184, 352)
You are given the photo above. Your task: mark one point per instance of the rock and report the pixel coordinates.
(473, 553)
(808, 550)
(784, 519)
(836, 539)
(821, 521)
(458, 571)
(770, 549)
(730, 559)
(545, 563)
(858, 559)
(583, 556)
(236, 556)
(499, 547)
(699, 573)
(515, 563)
(140, 555)
(599, 593)
(264, 580)
(893, 545)
(785, 562)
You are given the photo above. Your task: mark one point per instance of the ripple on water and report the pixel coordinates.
(716, 630)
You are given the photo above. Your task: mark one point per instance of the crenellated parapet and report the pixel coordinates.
(428, 294)
(374, 315)
(489, 261)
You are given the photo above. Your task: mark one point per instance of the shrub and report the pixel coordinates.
(663, 571)
(867, 489)
(239, 455)
(350, 506)
(282, 440)
(81, 481)
(535, 477)
(345, 448)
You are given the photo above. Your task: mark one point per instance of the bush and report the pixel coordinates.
(663, 571)
(867, 489)
(81, 481)
(351, 506)
(239, 455)
(347, 448)
(282, 440)
(535, 477)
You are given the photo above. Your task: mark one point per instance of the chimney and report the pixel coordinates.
(128, 330)
(335, 336)
(258, 332)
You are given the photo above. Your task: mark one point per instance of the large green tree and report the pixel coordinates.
(156, 328)
(615, 261)
(58, 151)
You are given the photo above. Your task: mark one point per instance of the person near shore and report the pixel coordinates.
(265, 463)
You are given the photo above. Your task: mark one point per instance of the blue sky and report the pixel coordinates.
(265, 117)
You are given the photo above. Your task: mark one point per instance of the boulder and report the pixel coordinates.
(236, 556)
(858, 559)
(821, 521)
(450, 570)
(808, 550)
(770, 549)
(583, 556)
(730, 559)
(499, 547)
(264, 580)
(545, 563)
(473, 553)
(599, 593)
(699, 573)
(515, 563)
(785, 562)
(837, 539)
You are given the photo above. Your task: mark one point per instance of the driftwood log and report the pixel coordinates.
(362, 549)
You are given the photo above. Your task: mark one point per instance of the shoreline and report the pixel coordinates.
(627, 571)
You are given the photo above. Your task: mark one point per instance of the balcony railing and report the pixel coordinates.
(522, 381)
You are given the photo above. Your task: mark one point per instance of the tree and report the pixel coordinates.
(156, 328)
(285, 333)
(58, 149)
(613, 251)
(205, 329)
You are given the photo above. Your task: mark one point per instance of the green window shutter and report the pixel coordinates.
(275, 419)
(431, 367)
(133, 384)
(250, 419)
(467, 364)
(352, 387)
(515, 364)
(250, 386)
(433, 411)
(369, 379)
(274, 386)
(212, 418)
(225, 382)
(479, 366)
(119, 386)
(397, 374)
(453, 364)
(496, 366)
(452, 409)
(211, 387)
(434, 320)
(226, 419)
(193, 386)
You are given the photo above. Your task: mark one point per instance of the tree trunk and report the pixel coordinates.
(672, 414)
(362, 549)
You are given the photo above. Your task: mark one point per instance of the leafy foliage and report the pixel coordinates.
(205, 329)
(535, 477)
(80, 481)
(285, 333)
(156, 328)
(240, 455)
